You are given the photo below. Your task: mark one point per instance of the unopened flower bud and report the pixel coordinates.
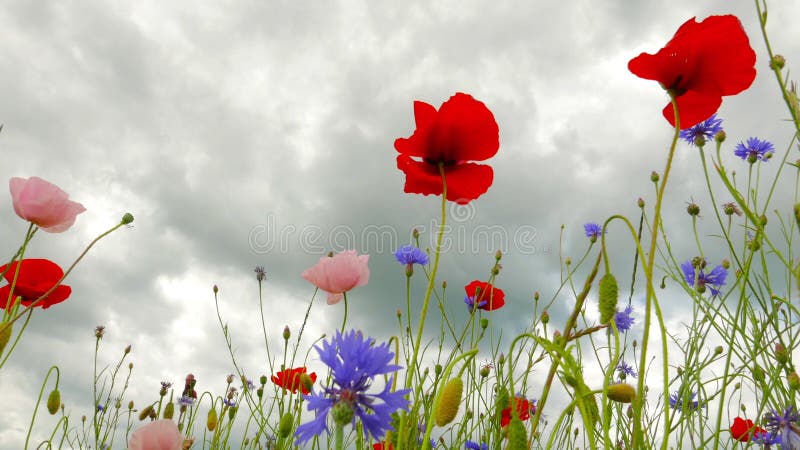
(169, 411)
(654, 176)
(130, 366)
(260, 392)
(437, 369)
(215, 289)
(484, 372)
(718, 350)
(285, 426)
(640, 202)
(720, 136)
(444, 284)
(232, 412)
(53, 401)
(693, 209)
(415, 233)
(545, 318)
(758, 373)
(449, 401)
(536, 296)
(763, 219)
(286, 333)
(211, 419)
(130, 405)
(229, 379)
(127, 349)
(726, 264)
(262, 379)
(498, 255)
(567, 261)
(399, 313)
(306, 381)
(145, 412)
(781, 354)
(484, 323)
(127, 218)
(777, 62)
(99, 331)
(794, 381)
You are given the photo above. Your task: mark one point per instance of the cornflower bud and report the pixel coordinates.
(342, 413)
(654, 176)
(536, 296)
(693, 209)
(229, 379)
(286, 333)
(781, 354)
(545, 317)
(777, 62)
(794, 381)
(720, 136)
(127, 218)
(640, 202)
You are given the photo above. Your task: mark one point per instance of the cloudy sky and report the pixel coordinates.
(261, 133)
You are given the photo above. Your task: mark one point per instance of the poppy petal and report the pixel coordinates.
(465, 182)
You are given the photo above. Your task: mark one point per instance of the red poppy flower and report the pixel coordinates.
(742, 429)
(483, 296)
(382, 446)
(36, 277)
(462, 130)
(701, 63)
(290, 379)
(524, 408)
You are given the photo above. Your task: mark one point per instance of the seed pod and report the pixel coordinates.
(447, 408)
(145, 412)
(608, 297)
(53, 402)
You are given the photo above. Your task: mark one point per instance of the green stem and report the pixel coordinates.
(344, 319)
(339, 436)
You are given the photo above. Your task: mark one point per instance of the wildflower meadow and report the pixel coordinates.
(664, 322)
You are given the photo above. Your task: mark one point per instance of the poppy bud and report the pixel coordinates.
(437, 369)
(621, 392)
(777, 62)
(212, 420)
(5, 336)
(306, 381)
(263, 379)
(545, 318)
(127, 349)
(169, 411)
(145, 412)
(449, 402)
(718, 350)
(53, 401)
(517, 435)
(127, 218)
(285, 426)
(260, 392)
(608, 298)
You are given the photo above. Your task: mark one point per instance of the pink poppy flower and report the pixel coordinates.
(157, 435)
(43, 203)
(339, 273)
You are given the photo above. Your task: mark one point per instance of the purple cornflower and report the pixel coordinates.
(755, 150)
(764, 437)
(623, 319)
(186, 400)
(703, 131)
(625, 370)
(676, 401)
(354, 361)
(592, 231)
(784, 427)
(470, 445)
(408, 254)
(714, 279)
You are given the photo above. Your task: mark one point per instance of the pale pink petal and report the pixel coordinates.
(43, 203)
(334, 298)
(157, 435)
(339, 273)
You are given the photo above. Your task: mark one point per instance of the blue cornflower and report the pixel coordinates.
(100, 408)
(784, 427)
(470, 445)
(764, 437)
(714, 279)
(676, 401)
(755, 150)
(354, 361)
(471, 305)
(625, 370)
(592, 231)
(408, 254)
(703, 131)
(623, 319)
(186, 400)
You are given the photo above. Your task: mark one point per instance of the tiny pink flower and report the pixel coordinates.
(339, 273)
(157, 435)
(43, 203)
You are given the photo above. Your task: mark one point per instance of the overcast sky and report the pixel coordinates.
(261, 133)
